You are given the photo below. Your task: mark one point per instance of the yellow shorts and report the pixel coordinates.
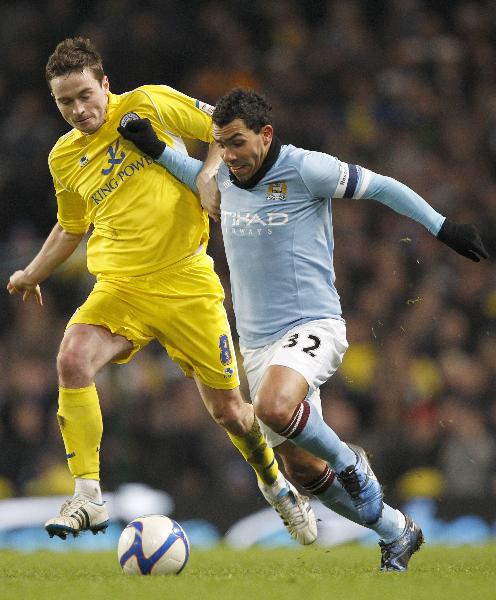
(180, 306)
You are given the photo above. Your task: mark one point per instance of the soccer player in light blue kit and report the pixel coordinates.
(277, 229)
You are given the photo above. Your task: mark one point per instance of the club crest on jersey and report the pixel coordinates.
(277, 191)
(130, 116)
(83, 161)
(228, 373)
(225, 350)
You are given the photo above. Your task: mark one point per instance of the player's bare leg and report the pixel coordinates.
(84, 350)
(237, 417)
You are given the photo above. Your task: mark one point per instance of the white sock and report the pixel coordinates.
(273, 491)
(401, 520)
(89, 488)
(390, 525)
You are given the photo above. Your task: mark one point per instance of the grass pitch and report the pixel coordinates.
(313, 573)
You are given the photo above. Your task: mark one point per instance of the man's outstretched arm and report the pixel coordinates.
(327, 176)
(57, 248)
(464, 239)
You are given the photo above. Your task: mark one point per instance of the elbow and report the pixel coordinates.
(75, 238)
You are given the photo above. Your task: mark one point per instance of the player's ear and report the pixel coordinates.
(105, 84)
(267, 133)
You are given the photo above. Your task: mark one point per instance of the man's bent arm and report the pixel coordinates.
(57, 248)
(183, 167)
(197, 175)
(200, 177)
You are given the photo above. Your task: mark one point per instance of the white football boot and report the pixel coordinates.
(293, 508)
(77, 514)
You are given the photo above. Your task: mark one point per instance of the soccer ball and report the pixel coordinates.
(153, 545)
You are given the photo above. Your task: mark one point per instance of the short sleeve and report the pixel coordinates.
(320, 173)
(71, 209)
(180, 114)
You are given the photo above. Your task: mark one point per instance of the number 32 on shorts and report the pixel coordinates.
(308, 344)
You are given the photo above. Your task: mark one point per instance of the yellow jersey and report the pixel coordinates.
(143, 218)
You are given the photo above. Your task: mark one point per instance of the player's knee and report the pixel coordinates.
(274, 410)
(230, 413)
(73, 368)
(230, 419)
(301, 469)
(296, 472)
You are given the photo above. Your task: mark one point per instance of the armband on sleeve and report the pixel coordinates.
(353, 181)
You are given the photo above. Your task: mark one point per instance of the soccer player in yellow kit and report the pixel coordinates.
(154, 279)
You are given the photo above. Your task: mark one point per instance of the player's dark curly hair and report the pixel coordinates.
(244, 104)
(74, 54)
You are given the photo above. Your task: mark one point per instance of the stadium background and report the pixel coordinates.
(404, 87)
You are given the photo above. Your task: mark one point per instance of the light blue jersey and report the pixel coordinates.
(278, 235)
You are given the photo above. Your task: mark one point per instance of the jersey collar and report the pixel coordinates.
(269, 160)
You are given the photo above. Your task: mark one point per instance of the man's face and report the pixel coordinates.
(81, 99)
(241, 148)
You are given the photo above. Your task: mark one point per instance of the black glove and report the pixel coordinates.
(141, 133)
(464, 239)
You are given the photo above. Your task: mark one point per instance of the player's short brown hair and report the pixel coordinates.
(72, 55)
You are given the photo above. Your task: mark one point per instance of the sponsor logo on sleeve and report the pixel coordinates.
(206, 108)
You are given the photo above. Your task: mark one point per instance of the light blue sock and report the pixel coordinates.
(308, 430)
(390, 525)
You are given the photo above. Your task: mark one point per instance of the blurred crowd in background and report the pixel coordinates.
(404, 87)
